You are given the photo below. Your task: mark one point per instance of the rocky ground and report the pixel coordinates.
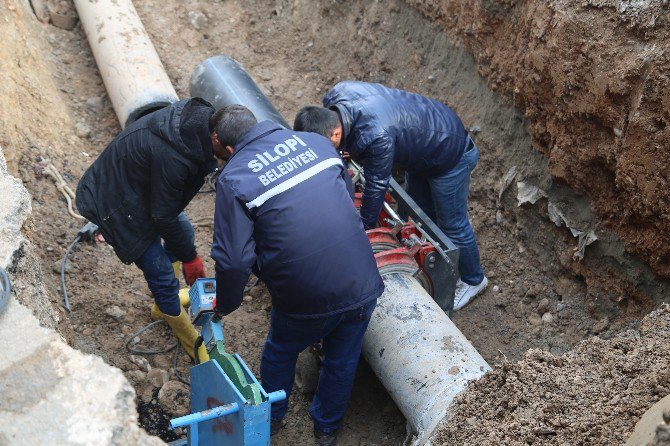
(54, 106)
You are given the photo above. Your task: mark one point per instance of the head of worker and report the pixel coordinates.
(324, 121)
(228, 126)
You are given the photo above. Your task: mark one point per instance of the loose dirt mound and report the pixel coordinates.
(592, 79)
(592, 395)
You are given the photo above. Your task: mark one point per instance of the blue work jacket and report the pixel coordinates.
(382, 126)
(283, 206)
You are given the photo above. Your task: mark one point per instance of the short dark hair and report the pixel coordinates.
(231, 123)
(312, 118)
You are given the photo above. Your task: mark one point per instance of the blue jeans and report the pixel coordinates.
(156, 264)
(342, 336)
(445, 200)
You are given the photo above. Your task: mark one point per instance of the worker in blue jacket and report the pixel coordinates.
(380, 126)
(283, 207)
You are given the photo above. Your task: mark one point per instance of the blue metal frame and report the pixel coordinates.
(220, 414)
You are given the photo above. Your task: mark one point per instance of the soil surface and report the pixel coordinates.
(592, 395)
(539, 297)
(592, 79)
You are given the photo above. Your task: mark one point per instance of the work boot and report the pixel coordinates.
(176, 267)
(184, 299)
(325, 438)
(186, 333)
(466, 293)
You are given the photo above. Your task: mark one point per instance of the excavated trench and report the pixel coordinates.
(540, 296)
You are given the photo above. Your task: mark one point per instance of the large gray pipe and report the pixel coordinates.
(133, 74)
(419, 355)
(222, 81)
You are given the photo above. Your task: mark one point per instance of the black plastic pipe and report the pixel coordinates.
(222, 81)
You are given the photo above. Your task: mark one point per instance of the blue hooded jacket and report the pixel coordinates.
(383, 126)
(283, 206)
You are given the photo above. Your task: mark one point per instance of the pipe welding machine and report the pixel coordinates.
(228, 404)
(413, 245)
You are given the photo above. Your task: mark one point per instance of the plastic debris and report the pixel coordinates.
(527, 193)
(584, 236)
(506, 181)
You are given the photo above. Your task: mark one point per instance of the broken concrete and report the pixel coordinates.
(51, 393)
(14, 209)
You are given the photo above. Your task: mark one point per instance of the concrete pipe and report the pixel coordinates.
(133, 74)
(419, 355)
(222, 81)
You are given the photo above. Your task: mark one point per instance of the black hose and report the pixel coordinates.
(175, 369)
(5, 290)
(66, 301)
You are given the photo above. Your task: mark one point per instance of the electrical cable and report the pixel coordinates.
(66, 301)
(248, 288)
(177, 347)
(87, 232)
(147, 352)
(5, 289)
(175, 370)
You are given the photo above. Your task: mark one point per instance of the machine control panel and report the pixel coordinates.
(202, 294)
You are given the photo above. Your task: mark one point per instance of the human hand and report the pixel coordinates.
(193, 270)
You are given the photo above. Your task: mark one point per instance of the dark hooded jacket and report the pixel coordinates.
(383, 126)
(146, 176)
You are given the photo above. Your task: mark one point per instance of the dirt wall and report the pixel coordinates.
(592, 79)
(32, 113)
(34, 123)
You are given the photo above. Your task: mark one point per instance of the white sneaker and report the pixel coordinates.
(466, 293)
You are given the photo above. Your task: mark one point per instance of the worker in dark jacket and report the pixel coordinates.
(381, 126)
(136, 192)
(283, 206)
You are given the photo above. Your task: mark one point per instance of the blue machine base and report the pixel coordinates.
(220, 414)
(210, 388)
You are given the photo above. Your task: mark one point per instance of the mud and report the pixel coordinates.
(54, 106)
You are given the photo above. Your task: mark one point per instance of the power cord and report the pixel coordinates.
(147, 352)
(210, 181)
(175, 370)
(86, 233)
(176, 347)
